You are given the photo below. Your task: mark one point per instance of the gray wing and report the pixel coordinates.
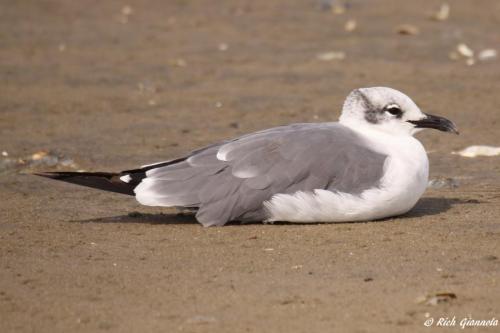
(231, 180)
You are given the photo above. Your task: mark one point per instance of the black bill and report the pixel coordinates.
(436, 122)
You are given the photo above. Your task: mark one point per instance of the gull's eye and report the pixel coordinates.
(393, 109)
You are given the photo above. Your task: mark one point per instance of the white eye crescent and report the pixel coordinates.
(393, 109)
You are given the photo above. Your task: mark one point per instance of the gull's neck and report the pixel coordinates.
(371, 130)
(383, 140)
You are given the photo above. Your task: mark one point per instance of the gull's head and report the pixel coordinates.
(390, 111)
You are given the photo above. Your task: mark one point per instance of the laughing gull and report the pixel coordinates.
(367, 166)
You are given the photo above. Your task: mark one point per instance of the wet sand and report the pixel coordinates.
(111, 86)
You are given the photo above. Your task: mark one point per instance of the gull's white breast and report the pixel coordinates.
(405, 178)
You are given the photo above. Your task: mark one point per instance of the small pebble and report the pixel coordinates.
(329, 56)
(350, 25)
(443, 13)
(179, 62)
(223, 47)
(465, 51)
(487, 54)
(39, 155)
(407, 29)
(438, 298)
(435, 299)
(127, 10)
(474, 151)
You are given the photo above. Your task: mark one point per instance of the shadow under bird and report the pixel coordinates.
(367, 166)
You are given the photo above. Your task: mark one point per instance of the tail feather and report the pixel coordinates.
(100, 180)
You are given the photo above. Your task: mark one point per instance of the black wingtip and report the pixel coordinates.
(52, 175)
(64, 175)
(105, 181)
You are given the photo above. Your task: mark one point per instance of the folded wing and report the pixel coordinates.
(231, 180)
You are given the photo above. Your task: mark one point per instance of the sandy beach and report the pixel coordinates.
(108, 86)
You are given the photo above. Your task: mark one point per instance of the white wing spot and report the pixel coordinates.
(126, 178)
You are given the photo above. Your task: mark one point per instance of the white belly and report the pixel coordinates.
(404, 181)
